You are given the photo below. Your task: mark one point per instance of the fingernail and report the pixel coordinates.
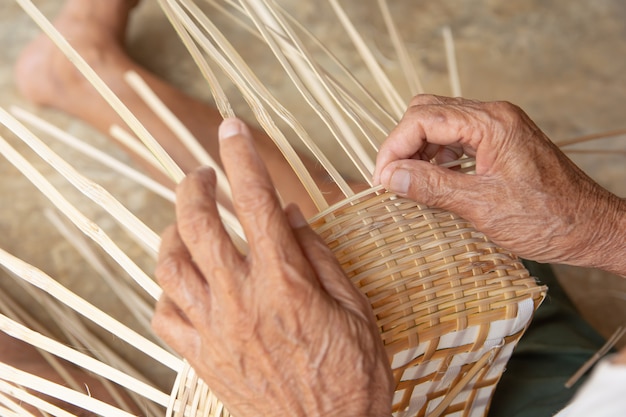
(400, 181)
(230, 127)
(295, 217)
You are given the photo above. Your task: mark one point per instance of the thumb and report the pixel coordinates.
(432, 185)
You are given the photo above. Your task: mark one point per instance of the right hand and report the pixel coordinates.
(526, 196)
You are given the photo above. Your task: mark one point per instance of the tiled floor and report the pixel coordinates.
(563, 62)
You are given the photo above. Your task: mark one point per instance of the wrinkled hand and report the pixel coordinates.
(280, 331)
(527, 195)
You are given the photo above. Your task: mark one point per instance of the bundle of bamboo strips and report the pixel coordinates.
(450, 305)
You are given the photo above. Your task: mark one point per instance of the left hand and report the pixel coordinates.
(280, 331)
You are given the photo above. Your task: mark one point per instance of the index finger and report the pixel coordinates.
(254, 197)
(439, 123)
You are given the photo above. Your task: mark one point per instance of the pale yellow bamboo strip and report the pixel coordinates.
(311, 80)
(177, 127)
(608, 345)
(33, 338)
(5, 412)
(255, 92)
(24, 396)
(81, 221)
(175, 173)
(40, 280)
(230, 221)
(370, 100)
(364, 113)
(404, 59)
(128, 140)
(469, 375)
(587, 138)
(221, 100)
(93, 191)
(306, 76)
(254, 100)
(453, 68)
(94, 153)
(173, 170)
(396, 103)
(80, 337)
(35, 383)
(13, 408)
(136, 305)
(67, 321)
(11, 309)
(596, 151)
(239, 20)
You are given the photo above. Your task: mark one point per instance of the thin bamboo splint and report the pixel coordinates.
(450, 304)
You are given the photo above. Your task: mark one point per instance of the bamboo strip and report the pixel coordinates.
(23, 333)
(16, 376)
(254, 91)
(396, 103)
(453, 69)
(12, 310)
(406, 63)
(370, 100)
(305, 75)
(22, 395)
(134, 145)
(83, 223)
(596, 151)
(221, 100)
(80, 337)
(13, 408)
(608, 345)
(457, 388)
(94, 153)
(149, 97)
(66, 319)
(240, 71)
(93, 191)
(587, 138)
(253, 98)
(137, 306)
(173, 170)
(40, 280)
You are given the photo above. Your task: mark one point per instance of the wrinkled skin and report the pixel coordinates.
(527, 195)
(279, 331)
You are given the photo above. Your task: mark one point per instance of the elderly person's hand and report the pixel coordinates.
(527, 195)
(280, 331)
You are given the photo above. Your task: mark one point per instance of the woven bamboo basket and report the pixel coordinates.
(450, 304)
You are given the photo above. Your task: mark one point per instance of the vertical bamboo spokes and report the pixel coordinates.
(38, 384)
(453, 69)
(94, 153)
(40, 280)
(87, 226)
(144, 235)
(40, 341)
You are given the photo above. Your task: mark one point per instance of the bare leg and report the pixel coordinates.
(96, 30)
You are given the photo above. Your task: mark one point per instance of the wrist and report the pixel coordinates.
(603, 244)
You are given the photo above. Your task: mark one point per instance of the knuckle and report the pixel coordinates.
(424, 99)
(167, 273)
(260, 199)
(195, 225)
